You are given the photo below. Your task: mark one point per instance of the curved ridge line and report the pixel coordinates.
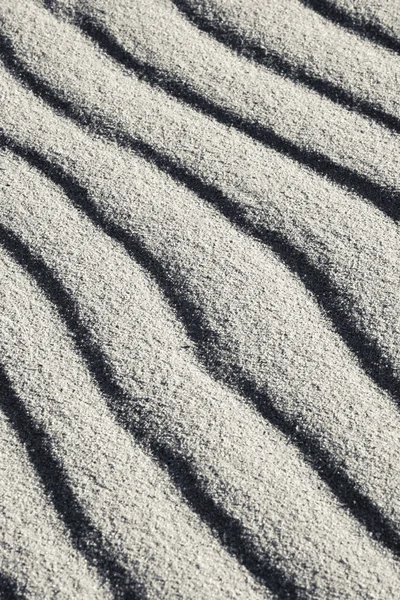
(359, 505)
(271, 59)
(84, 535)
(230, 533)
(367, 350)
(370, 356)
(387, 200)
(8, 586)
(340, 17)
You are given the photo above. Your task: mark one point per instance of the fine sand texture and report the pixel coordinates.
(199, 299)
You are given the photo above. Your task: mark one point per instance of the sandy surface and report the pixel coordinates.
(200, 305)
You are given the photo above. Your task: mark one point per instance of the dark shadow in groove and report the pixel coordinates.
(8, 587)
(284, 67)
(207, 345)
(360, 506)
(229, 532)
(365, 29)
(59, 104)
(85, 537)
(334, 304)
(388, 201)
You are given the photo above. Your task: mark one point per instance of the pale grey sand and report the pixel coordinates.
(35, 548)
(200, 325)
(118, 487)
(377, 20)
(292, 37)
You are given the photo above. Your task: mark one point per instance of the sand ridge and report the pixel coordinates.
(201, 318)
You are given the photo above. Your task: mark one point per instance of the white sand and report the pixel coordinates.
(200, 321)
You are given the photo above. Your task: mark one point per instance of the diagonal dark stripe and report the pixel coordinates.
(207, 344)
(282, 66)
(85, 537)
(366, 29)
(388, 201)
(227, 529)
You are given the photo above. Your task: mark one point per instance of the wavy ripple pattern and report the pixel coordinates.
(199, 218)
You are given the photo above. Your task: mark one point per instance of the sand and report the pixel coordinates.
(199, 253)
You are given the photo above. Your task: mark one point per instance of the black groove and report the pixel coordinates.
(277, 62)
(8, 587)
(60, 105)
(332, 302)
(365, 29)
(376, 523)
(209, 348)
(387, 200)
(229, 531)
(85, 537)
